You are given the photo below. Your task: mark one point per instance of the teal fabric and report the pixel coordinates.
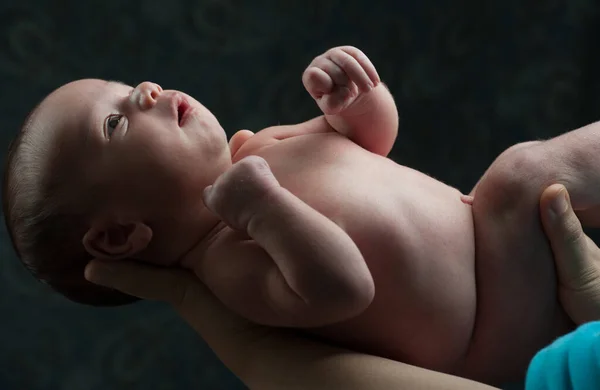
(572, 362)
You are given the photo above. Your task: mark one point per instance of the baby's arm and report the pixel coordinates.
(297, 268)
(347, 88)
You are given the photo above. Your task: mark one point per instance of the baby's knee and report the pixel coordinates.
(518, 167)
(516, 177)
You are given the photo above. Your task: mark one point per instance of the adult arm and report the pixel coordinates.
(263, 357)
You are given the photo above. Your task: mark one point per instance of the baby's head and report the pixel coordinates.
(104, 170)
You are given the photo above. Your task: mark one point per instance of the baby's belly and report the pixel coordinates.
(517, 307)
(425, 299)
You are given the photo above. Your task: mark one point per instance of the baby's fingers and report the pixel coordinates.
(364, 62)
(350, 66)
(317, 82)
(330, 68)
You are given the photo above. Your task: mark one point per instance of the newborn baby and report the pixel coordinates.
(306, 226)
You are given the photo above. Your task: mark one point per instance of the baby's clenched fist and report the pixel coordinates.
(337, 78)
(242, 191)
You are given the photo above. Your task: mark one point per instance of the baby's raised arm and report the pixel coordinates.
(283, 263)
(347, 88)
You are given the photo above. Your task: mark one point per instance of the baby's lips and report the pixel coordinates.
(183, 111)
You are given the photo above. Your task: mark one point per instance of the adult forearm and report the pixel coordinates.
(281, 361)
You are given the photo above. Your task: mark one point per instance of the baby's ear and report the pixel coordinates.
(114, 241)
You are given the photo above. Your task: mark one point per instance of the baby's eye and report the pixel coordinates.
(112, 122)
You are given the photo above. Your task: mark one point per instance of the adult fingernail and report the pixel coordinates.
(560, 204)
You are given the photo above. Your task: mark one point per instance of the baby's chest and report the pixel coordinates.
(372, 198)
(349, 189)
(314, 166)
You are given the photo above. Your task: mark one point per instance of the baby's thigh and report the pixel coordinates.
(517, 309)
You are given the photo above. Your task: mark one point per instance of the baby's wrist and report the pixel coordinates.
(267, 213)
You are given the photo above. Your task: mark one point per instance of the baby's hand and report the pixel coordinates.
(239, 193)
(336, 78)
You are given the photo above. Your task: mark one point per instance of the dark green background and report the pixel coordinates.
(470, 77)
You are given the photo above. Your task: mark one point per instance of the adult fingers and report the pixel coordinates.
(141, 280)
(575, 254)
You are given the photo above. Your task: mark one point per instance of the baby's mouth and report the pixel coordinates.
(182, 109)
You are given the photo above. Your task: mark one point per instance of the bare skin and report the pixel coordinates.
(311, 226)
(269, 358)
(426, 309)
(265, 357)
(406, 320)
(348, 259)
(577, 257)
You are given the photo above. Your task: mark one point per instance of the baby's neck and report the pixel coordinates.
(175, 242)
(190, 258)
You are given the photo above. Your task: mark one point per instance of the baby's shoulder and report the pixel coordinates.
(244, 142)
(316, 125)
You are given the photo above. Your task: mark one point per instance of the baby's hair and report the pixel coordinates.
(44, 225)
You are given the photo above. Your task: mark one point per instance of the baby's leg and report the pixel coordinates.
(579, 151)
(572, 159)
(517, 308)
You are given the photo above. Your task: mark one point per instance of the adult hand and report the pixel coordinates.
(576, 256)
(263, 357)
(229, 335)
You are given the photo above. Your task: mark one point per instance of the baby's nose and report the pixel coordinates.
(145, 95)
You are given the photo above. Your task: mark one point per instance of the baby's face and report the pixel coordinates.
(149, 150)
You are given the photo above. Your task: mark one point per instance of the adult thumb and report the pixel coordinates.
(573, 250)
(142, 280)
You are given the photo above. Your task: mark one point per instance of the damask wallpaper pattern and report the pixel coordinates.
(470, 78)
